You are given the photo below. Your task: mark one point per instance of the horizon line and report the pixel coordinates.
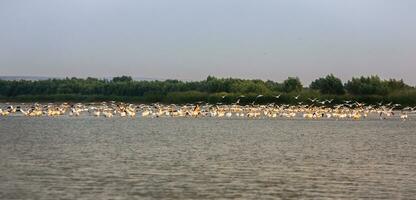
(139, 78)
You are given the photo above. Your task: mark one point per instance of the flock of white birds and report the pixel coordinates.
(315, 110)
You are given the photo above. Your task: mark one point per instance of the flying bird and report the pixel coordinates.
(330, 101)
(313, 100)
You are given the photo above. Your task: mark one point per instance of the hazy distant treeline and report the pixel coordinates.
(213, 90)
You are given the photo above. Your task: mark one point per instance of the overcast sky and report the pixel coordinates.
(191, 39)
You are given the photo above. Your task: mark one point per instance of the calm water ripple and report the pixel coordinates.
(179, 158)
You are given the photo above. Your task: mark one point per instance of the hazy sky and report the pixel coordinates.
(191, 39)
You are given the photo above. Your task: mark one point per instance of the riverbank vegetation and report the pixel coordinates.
(371, 90)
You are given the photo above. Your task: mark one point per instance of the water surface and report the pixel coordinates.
(181, 158)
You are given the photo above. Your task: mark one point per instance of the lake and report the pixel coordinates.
(208, 158)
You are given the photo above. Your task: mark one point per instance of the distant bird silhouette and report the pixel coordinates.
(329, 101)
(313, 100)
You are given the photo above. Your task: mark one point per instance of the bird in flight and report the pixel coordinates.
(313, 100)
(329, 101)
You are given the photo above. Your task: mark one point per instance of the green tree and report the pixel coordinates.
(328, 85)
(292, 84)
(122, 79)
(372, 85)
(396, 85)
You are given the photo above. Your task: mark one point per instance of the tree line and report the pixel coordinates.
(213, 90)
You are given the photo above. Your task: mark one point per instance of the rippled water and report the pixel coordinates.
(119, 158)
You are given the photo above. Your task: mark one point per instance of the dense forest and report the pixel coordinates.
(212, 90)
